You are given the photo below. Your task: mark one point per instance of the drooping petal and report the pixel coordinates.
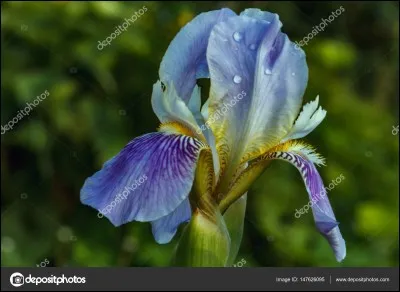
(260, 77)
(310, 117)
(204, 181)
(164, 229)
(147, 180)
(303, 157)
(185, 59)
(323, 214)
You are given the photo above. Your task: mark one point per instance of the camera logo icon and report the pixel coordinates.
(17, 279)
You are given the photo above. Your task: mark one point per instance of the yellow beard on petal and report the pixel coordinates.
(257, 166)
(177, 128)
(283, 147)
(219, 129)
(299, 147)
(261, 143)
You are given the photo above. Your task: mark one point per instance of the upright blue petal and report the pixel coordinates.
(185, 60)
(258, 79)
(147, 180)
(259, 14)
(164, 229)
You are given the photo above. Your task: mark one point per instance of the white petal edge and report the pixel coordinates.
(169, 107)
(308, 152)
(309, 118)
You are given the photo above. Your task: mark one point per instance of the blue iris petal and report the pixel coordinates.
(324, 217)
(251, 55)
(258, 14)
(147, 180)
(185, 60)
(164, 229)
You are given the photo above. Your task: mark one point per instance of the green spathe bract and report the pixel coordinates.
(234, 219)
(205, 242)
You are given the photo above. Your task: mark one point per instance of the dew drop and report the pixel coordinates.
(237, 36)
(268, 71)
(252, 47)
(237, 79)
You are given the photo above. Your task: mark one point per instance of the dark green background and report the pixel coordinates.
(100, 100)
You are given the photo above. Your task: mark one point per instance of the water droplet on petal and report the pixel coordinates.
(252, 47)
(237, 79)
(268, 71)
(237, 36)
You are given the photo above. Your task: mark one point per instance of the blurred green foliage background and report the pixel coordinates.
(100, 99)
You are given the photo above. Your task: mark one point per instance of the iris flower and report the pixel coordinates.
(203, 159)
